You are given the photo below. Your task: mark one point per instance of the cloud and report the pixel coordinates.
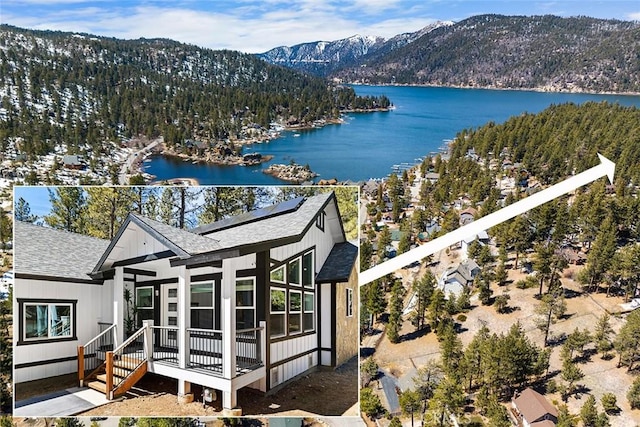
(248, 26)
(634, 16)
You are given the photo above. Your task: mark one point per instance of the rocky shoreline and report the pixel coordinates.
(293, 173)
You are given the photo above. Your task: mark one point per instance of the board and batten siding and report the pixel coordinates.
(95, 304)
(135, 242)
(321, 240)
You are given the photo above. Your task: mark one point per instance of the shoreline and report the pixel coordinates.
(533, 89)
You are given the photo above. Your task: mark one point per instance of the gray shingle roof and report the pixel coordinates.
(279, 227)
(49, 252)
(337, 267)
(188, 242)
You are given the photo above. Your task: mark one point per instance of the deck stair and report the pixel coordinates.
(122, 368)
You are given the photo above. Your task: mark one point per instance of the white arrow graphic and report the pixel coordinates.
(606, 167)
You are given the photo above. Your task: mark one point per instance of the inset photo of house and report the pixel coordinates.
(139, 301)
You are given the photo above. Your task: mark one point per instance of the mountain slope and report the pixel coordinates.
(545, 52)
(324, 57)
(72, 92)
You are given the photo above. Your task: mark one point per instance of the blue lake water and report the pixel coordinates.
(367, 145)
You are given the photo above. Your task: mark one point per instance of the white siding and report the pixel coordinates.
(134, 242)
(292, 368)
(291, 347)
(314, 236)
(94, 305)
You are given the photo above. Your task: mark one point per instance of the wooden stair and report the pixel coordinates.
(122, 379)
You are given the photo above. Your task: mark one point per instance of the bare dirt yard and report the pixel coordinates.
(323, 392)
(601, 376)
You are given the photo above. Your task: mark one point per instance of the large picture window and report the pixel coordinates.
(46, 320)
(202, 305)
(292, 296)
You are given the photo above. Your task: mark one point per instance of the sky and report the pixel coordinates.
(256, 26)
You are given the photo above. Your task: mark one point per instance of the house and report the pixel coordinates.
(483, 239)
(249, 301)
(73, 161)
(531, 409)
(467, 216)
(455, 280)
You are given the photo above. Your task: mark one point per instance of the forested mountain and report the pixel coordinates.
(561, 140)
(324, 57)
(76, 91)
(543, 52)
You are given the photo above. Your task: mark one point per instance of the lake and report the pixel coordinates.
(368, 145)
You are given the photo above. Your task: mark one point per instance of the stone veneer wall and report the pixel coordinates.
(347, 328)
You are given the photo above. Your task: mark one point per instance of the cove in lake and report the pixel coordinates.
(367, 145)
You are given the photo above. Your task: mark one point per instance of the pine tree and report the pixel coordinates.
(67, 209)
(23, 211)
(395, 314)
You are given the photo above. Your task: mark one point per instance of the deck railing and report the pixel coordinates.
(205, 349)
(93, 354)
(165, 344)
(249, 348)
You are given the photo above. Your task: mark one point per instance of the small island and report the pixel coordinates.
(292, 172)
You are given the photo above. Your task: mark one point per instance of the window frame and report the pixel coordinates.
(295, 313)
(212, 307)
(24, 302)
(282, 313)
(252, 279)
(312, 311)
(349, 306)
(312, 284)
(297, 260)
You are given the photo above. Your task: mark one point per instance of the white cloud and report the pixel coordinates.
(634, 16)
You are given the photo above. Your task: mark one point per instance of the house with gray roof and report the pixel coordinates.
(253, 301)
(455, 280)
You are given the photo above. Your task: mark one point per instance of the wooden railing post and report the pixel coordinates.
(81, 365)
(109, 374)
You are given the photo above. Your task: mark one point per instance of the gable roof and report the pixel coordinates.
(281, 224)
(181, 242)
(533, 406)
(338, 265)
(465, 270)
(48, 252)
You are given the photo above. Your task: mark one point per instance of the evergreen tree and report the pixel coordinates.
(23, 211)
(67, 209)
(395, 314)
(589, 412)
(549, 310)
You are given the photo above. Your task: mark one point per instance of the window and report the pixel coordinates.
(278, 275)
(245, 307)
(307, 316)
(295, 311)
(320, 220)
(202, 305)
(278, 312)
(47, 320)
(144, 304)
(349, 302)
(144, 297)
(294, 272)
(307, 270)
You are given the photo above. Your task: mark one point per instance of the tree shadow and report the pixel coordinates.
(585, 356)
(415, 334)
(556, 340)
(367, 351)
(570, 293)
(509, 309)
